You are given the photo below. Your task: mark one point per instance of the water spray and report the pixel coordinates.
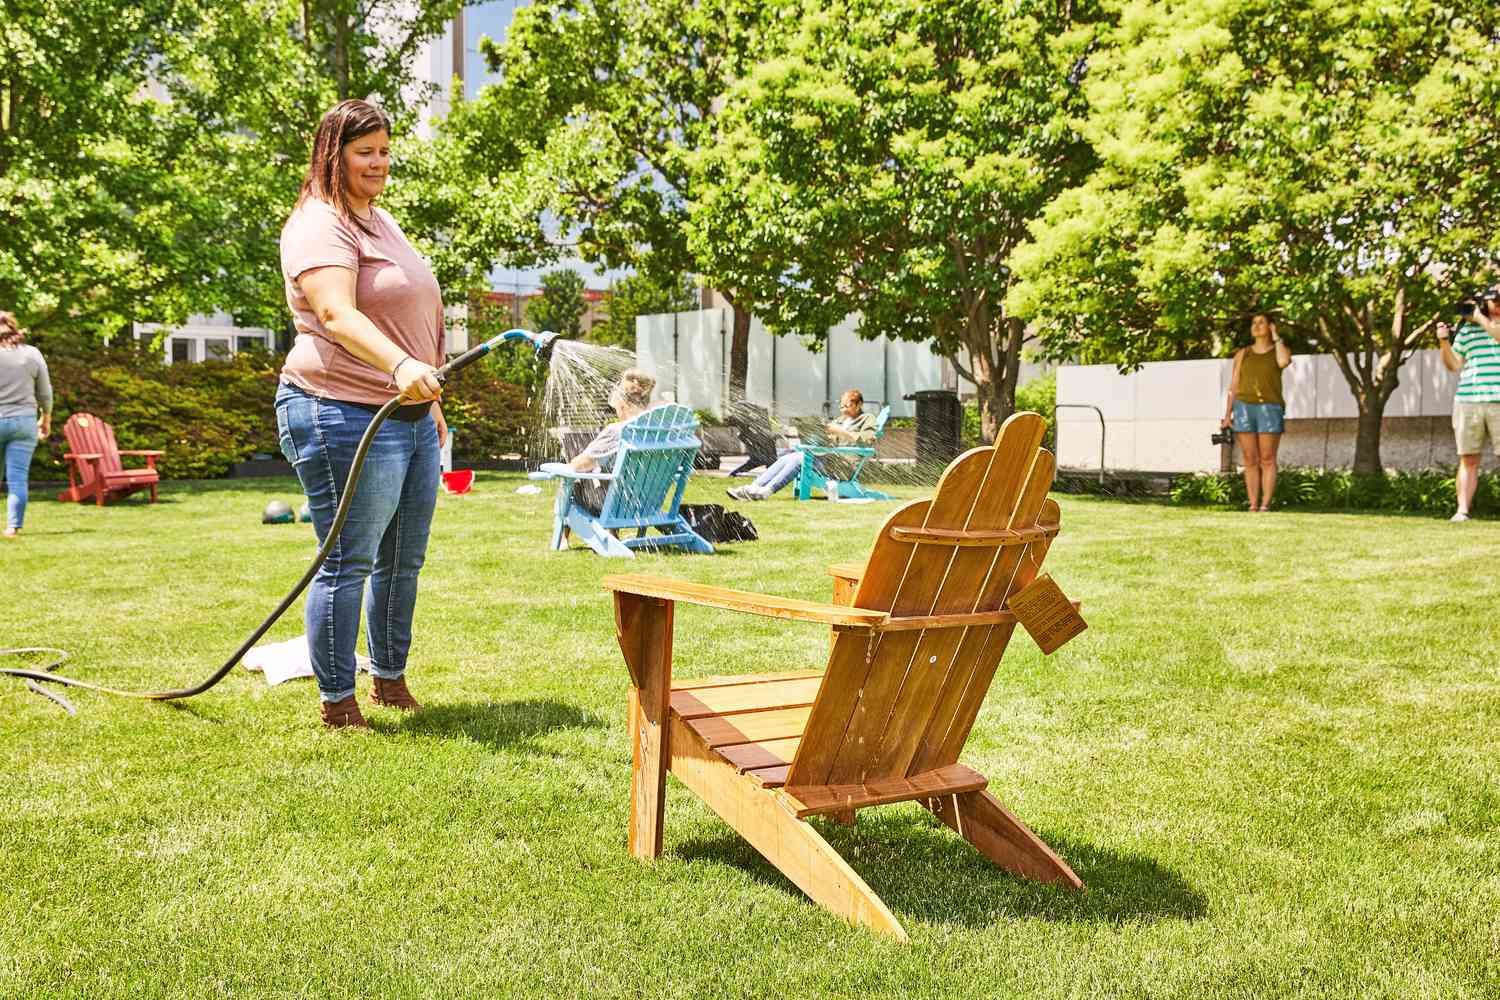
(542, 342)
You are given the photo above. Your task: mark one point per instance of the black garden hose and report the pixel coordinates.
(45, 675)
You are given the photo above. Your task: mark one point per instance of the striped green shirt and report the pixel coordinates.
(1479, 380)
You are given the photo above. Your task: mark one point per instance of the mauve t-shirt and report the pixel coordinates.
(395, 288)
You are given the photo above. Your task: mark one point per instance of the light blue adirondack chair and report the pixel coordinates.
(811, 477)
(650, 472)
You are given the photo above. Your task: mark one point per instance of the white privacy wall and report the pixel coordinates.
(782, 373)
(1160, 417)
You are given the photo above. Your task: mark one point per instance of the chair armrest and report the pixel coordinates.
(144, 454)
(562, 470)
(791, 609)
(83, 456)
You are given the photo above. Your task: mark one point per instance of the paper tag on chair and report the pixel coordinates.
(1046, 613)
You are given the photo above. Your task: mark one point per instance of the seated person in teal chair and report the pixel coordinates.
(630, 397)
(853, 426)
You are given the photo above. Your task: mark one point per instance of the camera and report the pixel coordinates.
(1485, 300)
(1222, 437)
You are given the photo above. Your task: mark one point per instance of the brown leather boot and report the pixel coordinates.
(342, 714)
(393, 694)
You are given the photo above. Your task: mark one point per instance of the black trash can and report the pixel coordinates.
(940, 424)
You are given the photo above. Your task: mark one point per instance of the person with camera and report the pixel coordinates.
(1255, 408)
(1474, 353)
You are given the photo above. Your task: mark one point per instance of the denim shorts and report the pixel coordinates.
(1258, 418)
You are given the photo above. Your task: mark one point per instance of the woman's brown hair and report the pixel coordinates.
(325, 178)
(11, 334)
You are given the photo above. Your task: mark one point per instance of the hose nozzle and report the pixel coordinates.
(542, 341)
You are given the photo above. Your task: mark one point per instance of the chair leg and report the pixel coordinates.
(153, 493)
(644, 628)
(805, 478)
(650, 757)
(792, 845)
(996, 833)
(593, 534)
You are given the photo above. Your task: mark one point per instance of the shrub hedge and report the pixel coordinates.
(208, 416)
(1431, 491)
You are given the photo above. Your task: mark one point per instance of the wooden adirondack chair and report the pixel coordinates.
(657, 448)
(94, 468)
(809, 477)
(918, 633)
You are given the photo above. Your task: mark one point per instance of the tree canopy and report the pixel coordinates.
(560, 307)
(1325, 163)
(642, 294)
(887, 164)
(150, 151)
(607, 100)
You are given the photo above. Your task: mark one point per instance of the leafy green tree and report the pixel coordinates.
(621, 93)
(642, 295)
(102, 202)
(1325, 163)
(560, 307)
(150, 151)
(888, 164)
(267, 70)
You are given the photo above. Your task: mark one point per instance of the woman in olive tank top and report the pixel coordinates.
(1256, 409)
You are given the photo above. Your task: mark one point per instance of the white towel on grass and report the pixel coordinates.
(281, 661)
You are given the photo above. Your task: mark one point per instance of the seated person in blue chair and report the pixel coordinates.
(630, 397)
(853, 426)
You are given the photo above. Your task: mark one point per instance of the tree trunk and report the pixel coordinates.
(1015, 334)
(341, 35)
(993, 409)
(1367, 437)
(739, 354)
(994, 369)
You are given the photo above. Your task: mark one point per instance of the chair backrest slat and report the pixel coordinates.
(657, 449)
(883, 702)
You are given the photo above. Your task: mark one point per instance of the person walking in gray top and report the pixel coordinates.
(25, 415)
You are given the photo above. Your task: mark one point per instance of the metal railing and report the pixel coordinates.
(1081, 406)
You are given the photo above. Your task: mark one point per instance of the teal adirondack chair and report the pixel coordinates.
(645, 488)
(811, 478)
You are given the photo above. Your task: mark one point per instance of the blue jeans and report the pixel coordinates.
(18, 442)
(384, 540)
(779, 473)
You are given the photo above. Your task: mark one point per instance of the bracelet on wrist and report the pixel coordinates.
(396, 369)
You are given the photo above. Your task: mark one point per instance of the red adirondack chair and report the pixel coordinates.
(94, 468)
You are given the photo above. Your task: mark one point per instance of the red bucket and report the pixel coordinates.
(458, 481)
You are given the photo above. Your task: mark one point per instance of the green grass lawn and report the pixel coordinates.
(1273, 758)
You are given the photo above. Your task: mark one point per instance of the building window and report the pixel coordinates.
(182, 350)
(249, 344)
(216, 349)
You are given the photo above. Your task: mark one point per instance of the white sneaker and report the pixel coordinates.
(1460, 516)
